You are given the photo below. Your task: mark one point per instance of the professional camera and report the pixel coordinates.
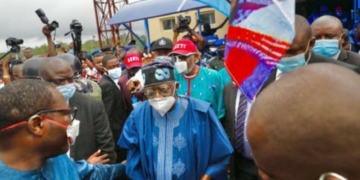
(14, 44)
(183, 23)
(52, 26)
(76, 27)
(75, 31)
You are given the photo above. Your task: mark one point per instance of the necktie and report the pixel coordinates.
(240, 124)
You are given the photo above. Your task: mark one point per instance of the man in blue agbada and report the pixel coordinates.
(35, 133)
(171, 136)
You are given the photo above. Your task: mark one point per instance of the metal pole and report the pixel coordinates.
(146, 22)
(132, 32)
(199, 19)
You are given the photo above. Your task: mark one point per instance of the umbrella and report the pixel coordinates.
(222, 6)
(152, 8)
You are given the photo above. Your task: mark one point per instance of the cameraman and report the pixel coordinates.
(51, 51)
(208, 31)
(191, 33)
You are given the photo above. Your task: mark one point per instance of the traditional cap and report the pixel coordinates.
(159, 71)
(162, 43)
(184, 47)
(132, 59)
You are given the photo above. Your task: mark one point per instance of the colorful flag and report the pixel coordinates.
(220, 5)
(259, 34)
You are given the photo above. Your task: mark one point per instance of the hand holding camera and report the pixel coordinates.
(184, 23)
(52, 26)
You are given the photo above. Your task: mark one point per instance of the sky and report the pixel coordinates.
(18, 19)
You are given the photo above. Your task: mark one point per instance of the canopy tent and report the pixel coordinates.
(152, 8)
(142, 10)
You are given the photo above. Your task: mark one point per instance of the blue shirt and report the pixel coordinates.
(186, 143)
(61, 168)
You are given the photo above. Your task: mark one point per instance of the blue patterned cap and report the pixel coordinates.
(160, 70)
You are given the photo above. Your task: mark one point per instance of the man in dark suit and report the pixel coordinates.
(94, 131)
(328, 31)
(113, 100)
(298, 55)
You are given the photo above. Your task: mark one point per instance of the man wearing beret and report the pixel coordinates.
(171, 136)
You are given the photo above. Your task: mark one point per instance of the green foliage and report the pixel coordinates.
(88, 46)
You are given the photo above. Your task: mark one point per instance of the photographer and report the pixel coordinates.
(191, 33)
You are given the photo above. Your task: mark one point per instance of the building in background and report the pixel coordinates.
(163, 26)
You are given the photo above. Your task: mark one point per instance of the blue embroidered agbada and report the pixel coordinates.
(61, 168)
(186, 143)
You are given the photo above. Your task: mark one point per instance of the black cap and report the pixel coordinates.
(73, 61)
(162, 43)
(31, 68)
(160, 70)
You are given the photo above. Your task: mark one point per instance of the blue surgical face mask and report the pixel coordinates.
(287, 64)
(114, 74)
(67, 91)
(326, 47)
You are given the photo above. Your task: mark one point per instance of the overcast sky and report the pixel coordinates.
(18, 19)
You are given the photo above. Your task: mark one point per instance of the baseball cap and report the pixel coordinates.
(132, 59)
(184, 47)
(162, 43)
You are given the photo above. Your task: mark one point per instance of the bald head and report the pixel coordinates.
(307, 123)
(302, 41)
(327, 27)
(56, 71)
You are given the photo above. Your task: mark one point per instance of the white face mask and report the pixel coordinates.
(73, 131)
(164, 104)
(2, 85)
(213, 49)
(181, 66)
(331, 175)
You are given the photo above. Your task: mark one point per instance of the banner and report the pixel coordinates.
(260, 33)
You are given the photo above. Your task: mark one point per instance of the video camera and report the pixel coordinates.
(184, 22)
(14, 44)
(52, 26)
(75, 31)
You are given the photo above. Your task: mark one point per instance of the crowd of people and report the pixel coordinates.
(121, 113)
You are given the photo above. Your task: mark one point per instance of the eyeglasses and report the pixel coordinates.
(70, 112)
(150, 93)
(180, 57)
